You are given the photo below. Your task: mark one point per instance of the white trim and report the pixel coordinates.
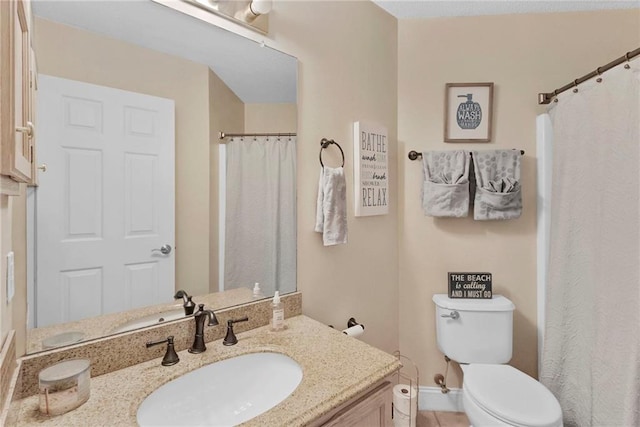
(544, 142)
(222, 211)
(432, 399)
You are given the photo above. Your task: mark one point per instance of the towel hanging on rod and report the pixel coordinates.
(324, 143)
(413, 154)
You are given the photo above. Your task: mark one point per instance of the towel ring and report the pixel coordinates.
(324, 143)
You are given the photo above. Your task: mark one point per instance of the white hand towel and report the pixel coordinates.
(331, 208)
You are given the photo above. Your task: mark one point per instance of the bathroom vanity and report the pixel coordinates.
(344, 381)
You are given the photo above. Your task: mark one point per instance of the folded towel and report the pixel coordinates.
(445, 192)
(331, 209)
(498, 189)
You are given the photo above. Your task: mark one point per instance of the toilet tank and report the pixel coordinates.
(482, 331)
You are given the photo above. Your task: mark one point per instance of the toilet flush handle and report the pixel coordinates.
(453, 315)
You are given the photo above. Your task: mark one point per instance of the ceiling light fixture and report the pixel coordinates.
(245, 12)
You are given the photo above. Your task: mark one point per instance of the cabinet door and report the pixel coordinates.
(17, 129)
(372, 410)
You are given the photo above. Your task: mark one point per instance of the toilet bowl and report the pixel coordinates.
(478, 335)
(500, 395)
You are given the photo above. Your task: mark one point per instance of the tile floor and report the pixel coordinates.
(441, 419)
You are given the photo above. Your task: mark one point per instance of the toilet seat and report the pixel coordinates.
(511, 396)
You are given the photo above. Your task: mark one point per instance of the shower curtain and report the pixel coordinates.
(591, 355)
(260, 235)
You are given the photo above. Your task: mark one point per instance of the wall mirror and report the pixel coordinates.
(138, 196)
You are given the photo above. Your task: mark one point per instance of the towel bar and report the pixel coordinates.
(413, 154)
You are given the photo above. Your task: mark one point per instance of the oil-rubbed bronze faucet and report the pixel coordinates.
(230, 338)
(170, 357)
(188, 305)
(200, 316)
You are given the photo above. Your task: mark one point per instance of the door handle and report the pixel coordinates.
(29, 129)
(164, 250)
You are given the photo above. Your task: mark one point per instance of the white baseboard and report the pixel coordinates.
(432, 399)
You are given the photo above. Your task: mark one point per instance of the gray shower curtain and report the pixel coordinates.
(260, 230)
(591, 354)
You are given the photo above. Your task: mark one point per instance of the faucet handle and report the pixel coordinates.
(170, 357)
(230, 338)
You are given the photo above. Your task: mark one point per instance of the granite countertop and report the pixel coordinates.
(335, 367)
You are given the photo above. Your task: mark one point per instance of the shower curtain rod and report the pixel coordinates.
(222, 135)
(546, 98)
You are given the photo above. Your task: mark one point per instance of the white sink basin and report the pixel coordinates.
(225, 393)
(150, 320)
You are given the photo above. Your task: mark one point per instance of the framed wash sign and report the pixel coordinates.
(468, 112)
(371, 169)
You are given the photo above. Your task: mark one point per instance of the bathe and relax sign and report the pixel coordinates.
(470, 285)
(370, 169)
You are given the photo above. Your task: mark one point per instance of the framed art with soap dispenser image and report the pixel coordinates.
(468, 112)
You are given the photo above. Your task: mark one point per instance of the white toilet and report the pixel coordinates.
(478, 334)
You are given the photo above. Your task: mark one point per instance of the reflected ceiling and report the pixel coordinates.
(151, 25)
(406, 9)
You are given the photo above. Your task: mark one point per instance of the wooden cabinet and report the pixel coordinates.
(371, 409)
(17, 92)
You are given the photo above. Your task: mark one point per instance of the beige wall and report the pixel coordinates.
(271, 118)
(6, 311)
(19, 248)
(522, 55)
(100, 60)
(13, 238)
(347, 72)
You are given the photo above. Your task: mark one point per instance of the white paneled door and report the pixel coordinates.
(105, 205)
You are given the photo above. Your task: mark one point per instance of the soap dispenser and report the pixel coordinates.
(277, 318)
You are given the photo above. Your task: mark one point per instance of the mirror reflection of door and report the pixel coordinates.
(110, 186)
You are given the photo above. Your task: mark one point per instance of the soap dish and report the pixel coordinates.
(64, 386)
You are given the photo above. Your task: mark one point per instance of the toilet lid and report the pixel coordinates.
(511, 396)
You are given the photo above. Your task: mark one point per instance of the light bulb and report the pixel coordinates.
(261, 7)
